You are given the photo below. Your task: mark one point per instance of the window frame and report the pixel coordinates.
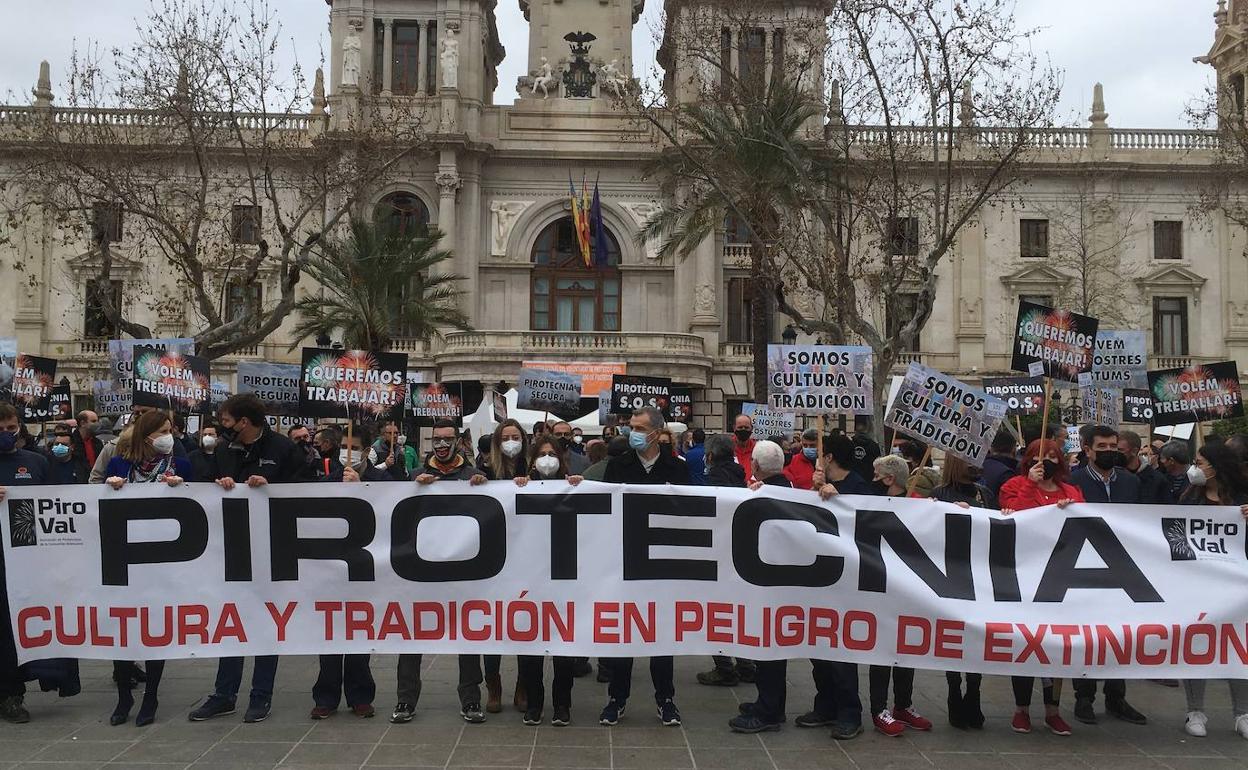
(738, 310)
(241, 215)
(1037, 245)
(1183, 318)
(1160, 238)
(567, 265)
(907, 305)
(230, 310)
(387, 212)
(903, 244)
(95, 325)
(405, 79)
(115, 212)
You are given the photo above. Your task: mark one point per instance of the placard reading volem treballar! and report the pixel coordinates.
(1198, 393)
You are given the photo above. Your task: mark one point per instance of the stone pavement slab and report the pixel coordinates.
(74, 734)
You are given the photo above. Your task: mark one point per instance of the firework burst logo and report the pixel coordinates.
(171, 379)
(1175, 531)
(1198, 393)
(33, 379)
(22, 531)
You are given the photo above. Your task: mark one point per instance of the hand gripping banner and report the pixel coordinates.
(153, 572)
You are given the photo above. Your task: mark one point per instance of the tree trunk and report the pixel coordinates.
(760, 323)
(881, 377)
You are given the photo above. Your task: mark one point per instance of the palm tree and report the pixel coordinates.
(736, 155)
(379, 284)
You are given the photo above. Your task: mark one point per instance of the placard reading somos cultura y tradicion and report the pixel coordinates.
(819, 379)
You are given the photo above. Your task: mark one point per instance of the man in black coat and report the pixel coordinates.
(254, 454)
(645, 463)
(1154, 488)
(1105, 480)
(1001, 465)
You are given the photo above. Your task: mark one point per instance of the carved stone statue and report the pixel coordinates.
(704, 300)
(971, 311)
(351, 57)
(448, 59)
(505, 215)
(611, 79)
(544, 79)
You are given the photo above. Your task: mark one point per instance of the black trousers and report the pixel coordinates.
(772, 690)
(12, 682)
(1115, 689)
(344, 675)
(621, 686)
(726, 663)
(532, 669)
(954, 678)
(903, 687)
(1022, 690)
(836, 691)
(470, 677)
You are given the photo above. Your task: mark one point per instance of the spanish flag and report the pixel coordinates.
(580, 220)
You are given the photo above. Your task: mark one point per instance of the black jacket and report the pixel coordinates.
(522, 469)
(997, 470)
(272, 456)
(779, 480)
(1124, 486)
(725, 474)
(1154, 487)
(203, 466)
(627, 469)
(82, 469)
(974, 495)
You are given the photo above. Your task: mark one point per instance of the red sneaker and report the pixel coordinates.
(1021, 722)
(321, 712)
(1057, 725)
(885, 723)
(911, 718)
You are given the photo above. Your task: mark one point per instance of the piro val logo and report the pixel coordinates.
(1192, 539)
(22, 529)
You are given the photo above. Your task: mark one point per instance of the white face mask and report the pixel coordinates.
(577, 439)
(355, 458)
(208, 442)
(512, 447)
(1196, 476)
(546, 465)
(163, 444)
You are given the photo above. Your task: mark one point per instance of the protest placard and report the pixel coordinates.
(8, 360)
(604, 406)
(544, 390)
(500, 406)
(430, 401)
(629, 392)
(1120, 360)
(1022, 395)
(1137, 407)
(819, 379)
(768, 422)
(365, 385)
(1061, 341)
(121, 367)
(108, 400)
(946, 414)
(682, 404)
(277, 385)
(1101, 406)
(1074, 442)
(167, 379)
(32, 381)
(1198, 393)
(55, 407)
(595, 375)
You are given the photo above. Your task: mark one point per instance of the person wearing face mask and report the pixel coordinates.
(645, 464)
(743, 432)
(548, 462)
(18, 468)
(801, 469)
(614, 447)
(446, 462)
(578, 441)
(144, 456)
(1153, 487)
(85, 443)
(61, 457)
(252, 453)
(391, 454)
(507, 458)
(203, 459)
(1044, 483)
(1217, 478)
(1174, 459)
(960, 485)
(667, 444)
(577, 463)
(302, 437)
(98, 471)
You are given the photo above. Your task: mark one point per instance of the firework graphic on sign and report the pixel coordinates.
(369, 392)
(1220, 396)
(22, 530)
(1176, 536)
(33, 379)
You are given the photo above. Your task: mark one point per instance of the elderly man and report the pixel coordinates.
(644, 463)
(743, 447)
(1174, 460)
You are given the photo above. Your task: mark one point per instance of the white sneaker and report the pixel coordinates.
(1241, 725)
(1196, 721)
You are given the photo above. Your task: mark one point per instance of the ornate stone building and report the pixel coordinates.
(497, 185)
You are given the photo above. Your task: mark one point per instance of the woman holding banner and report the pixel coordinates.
(1217, 478)
(144, 455)
(959, 484)
(507, 458)
(1045, 483)
(548, 463)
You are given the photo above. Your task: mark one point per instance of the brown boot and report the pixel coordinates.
(521, 700)
(494, 693)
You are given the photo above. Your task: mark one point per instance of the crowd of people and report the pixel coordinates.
(240, 447)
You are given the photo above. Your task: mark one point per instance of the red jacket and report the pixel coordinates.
(745, 457)
(1021, 493)
(800, 471)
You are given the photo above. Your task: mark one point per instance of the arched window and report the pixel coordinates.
(566, 294)
(403, 213)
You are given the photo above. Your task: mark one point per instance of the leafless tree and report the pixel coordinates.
(224, 179)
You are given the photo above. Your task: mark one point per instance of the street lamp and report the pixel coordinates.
(789, 335)
(322, 340)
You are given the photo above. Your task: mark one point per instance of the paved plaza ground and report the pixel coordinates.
(74, 734)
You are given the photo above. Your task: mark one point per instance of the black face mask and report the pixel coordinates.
(1110, 459)
(1050, 468)
(565, 443)
(743, 434)
(228, 435)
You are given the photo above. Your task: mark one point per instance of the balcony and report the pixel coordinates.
(1180, 362)
(737, 254)
(493, 355)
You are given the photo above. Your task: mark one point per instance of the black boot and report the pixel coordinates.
(147, 710)
(971, 711)
(955, 705)
(125, 702)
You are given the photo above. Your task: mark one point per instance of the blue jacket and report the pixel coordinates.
(695, 458)
(1124, 486)
(119, 466)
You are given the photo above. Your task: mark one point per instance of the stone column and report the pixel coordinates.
(421, 75)
(448, 181)
(387, 57)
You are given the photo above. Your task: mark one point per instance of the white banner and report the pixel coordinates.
(151, 572)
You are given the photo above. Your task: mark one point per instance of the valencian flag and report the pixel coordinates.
(580, 219)
(598, 229)
(365, 385)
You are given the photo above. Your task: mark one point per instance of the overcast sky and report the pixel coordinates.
(1140, 49)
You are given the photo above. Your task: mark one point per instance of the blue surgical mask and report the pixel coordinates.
(60, 450)
(8, 441)
(810, 452)
(637, 440)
